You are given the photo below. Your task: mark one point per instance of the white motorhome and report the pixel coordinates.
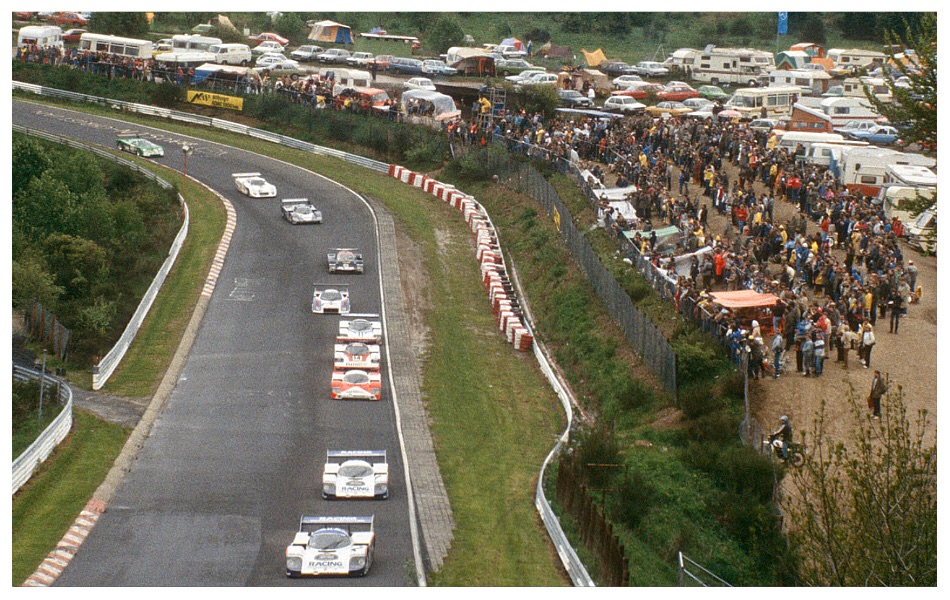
(41, 36)
(842, 110)
(348, 78)
(739, 66)
(903, 183)
(193, 43)
(854, 88)
(776, 101)
(823, 153)
(812, 82)
(849, 61)
(791, 140)
(132, 48)
(863, 170)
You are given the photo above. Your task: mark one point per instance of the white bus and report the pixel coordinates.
(95, 42)
(193, 42)
(776, 101)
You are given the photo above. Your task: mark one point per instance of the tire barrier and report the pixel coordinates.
(501, 293)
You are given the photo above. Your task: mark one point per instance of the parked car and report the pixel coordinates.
(268, 59)
(420, 83)
(203, 28)
(437, 68)
(616, 68)
(270, 37)
(72, 35)
(406, 66)
(307, 53)
(382, 61)
(624, 104)
(512, 67)
(699, 103)
(524, 76)
(543, 79)
(677, 91)
(360, 59)
(69, 19)
(855, 125)
(334, 56)
(640, 90)
(668, 107)
(510, 52)
(574, 99)
(879, 134)
(651, 68)
(283, 67)
(624, 81)
(265, 47)
(712, 92)
(763, 125)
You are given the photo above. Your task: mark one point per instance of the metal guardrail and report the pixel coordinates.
(25, 465)
(569, 558)
(692, 573)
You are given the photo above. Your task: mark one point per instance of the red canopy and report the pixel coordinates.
(743, 299)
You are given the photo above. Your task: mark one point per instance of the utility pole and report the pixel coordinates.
(42, 389)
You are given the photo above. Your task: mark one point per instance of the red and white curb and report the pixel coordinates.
(218, 262)
(56, 561)
(488, 254)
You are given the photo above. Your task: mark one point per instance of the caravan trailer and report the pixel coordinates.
(193, 43)
(863, 170)
(903, 183)
(776, 101)
(812, 82)
(730, 66)
(41, 36)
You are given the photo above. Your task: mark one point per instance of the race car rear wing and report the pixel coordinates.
(236, 175)
(294, 201)
(370, 456)
(352, 525)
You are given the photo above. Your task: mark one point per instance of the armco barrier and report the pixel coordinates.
(569, 558)
(102, 371)
(40, 449)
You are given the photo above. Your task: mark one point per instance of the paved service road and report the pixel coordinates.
(236, 456)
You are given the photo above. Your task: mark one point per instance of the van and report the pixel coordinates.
(231, 54)
(823, 153)
(922, 232)
(40, 36)
(792, 139)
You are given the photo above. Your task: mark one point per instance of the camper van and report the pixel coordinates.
(849, 61)
(348, 78)
(40, 36)
(903, 183)
(863, 170)
(716, 66)
(231, 54)
(793, 139)
(854, 88)
(777, 101)
(824, 153)
(193, 43)
(812, 82)
(922, 231)
(132, 48)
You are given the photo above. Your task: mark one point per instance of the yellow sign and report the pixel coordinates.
(557, 219)
(216, 100)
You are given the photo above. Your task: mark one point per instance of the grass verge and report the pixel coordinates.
(47, 505)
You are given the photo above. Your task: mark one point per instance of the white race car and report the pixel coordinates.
(253, 185)
(356, 474)
(331, 300)
(327, 546)
(356, 384)
(356, 355)
(361, 330)
(299, 210)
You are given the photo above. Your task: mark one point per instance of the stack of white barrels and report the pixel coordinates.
(504, 301)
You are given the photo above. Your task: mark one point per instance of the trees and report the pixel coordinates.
(864, 510)
(126, 24)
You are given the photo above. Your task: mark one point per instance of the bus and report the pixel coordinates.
(764, 102)
(96, 42)
(193, 43)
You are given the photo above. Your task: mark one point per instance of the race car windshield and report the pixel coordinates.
(303, 209)
(332, 295)
(257, 181)
(356, 469)
(345, 257)
(356, 377)
(360, 325)
(329, 540)
(357, 349)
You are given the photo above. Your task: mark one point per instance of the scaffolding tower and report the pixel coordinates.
(485, 119)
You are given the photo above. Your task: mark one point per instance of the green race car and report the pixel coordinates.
(138, 146)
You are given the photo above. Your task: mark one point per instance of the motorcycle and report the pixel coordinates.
(795, 456)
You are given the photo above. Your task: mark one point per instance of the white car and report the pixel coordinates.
(300, 210)
(356, 474)
(265, 47)
(360, 58)
(253, 185)
(356, 355)
(624, 104)
(360, 330)
(266, 60)
(331, 300)
(524, 76)
(356, 384)
(420, 83)
(624, 81)
(649, 68)
(331, 546)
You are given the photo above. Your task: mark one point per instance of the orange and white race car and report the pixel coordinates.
(356, 384)
(356, 355)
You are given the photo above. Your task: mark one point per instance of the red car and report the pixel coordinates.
(355, 384)
(271, 37)
(70, 19)
(356, 355)
(640, 89)
(73, 35)
(678, 91)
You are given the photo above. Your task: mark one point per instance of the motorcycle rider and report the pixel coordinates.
(782, 437)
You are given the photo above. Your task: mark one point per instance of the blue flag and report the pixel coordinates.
(782, 23)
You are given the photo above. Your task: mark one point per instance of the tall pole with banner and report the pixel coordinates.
(782, 28)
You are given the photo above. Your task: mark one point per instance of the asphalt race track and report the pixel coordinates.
(236, 457)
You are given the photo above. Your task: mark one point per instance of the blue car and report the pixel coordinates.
(406, 66)
(880, 134)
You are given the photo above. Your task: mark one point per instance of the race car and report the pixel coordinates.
(345, 260)
(355, 384)
(328, 546)
(356, 355)
(299, 210)
(136, 144)
(360, 330)
(331, 300)
(356, 474)
(253, 185)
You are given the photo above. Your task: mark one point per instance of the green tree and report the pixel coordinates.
(289, 25)
(126, 24)
(32, 282)
(864, 509)
(30, 160)
(445, 33)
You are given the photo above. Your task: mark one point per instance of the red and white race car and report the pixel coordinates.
(356, 384)
(367, 329)
(356, 355)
